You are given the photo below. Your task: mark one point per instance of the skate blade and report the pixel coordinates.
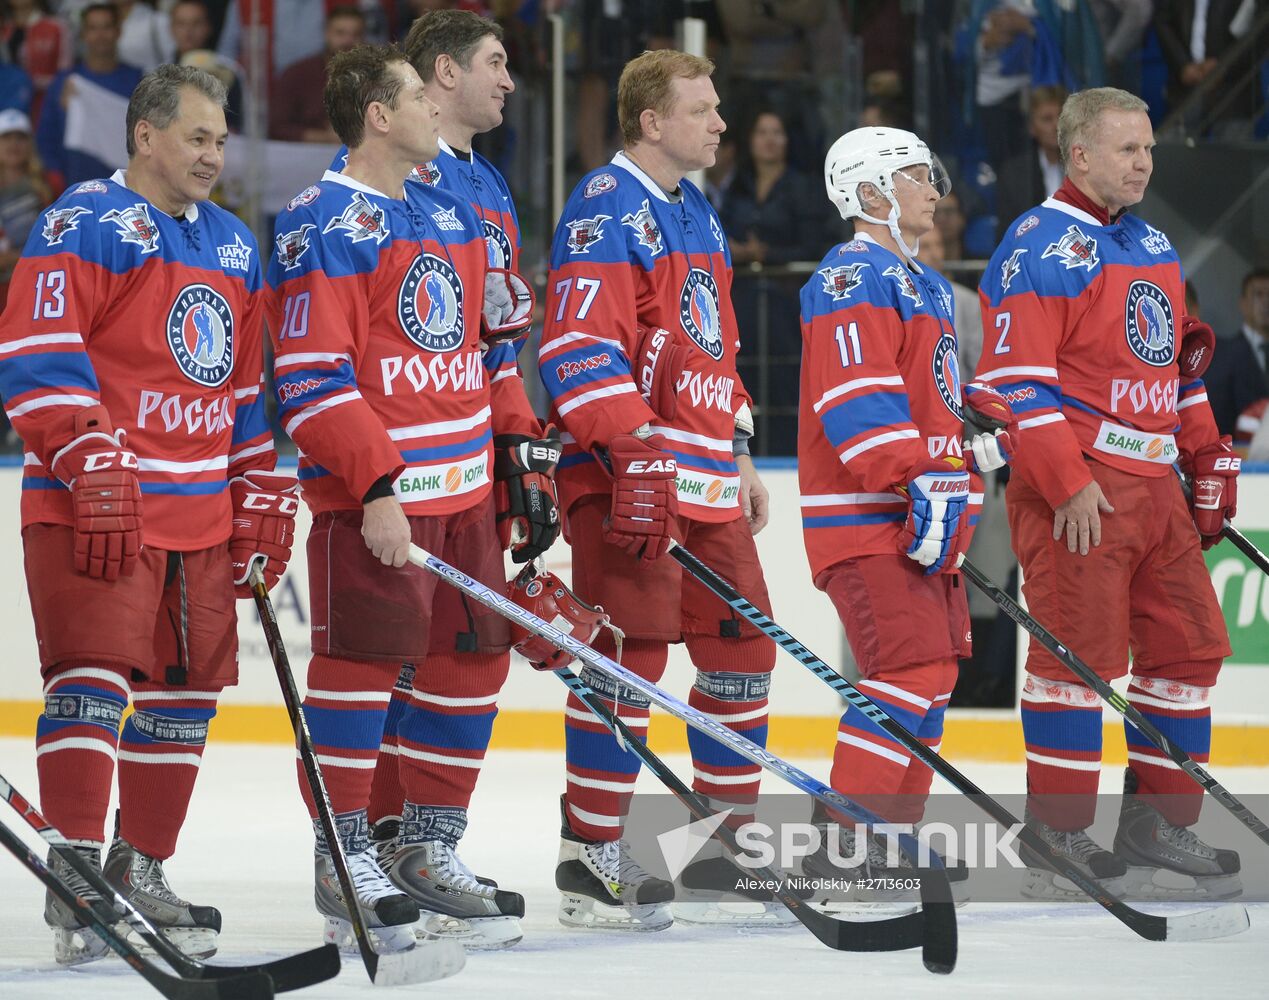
(1046, 886)
(733, 913)
(195, 942)
(77, 946)
(584, 913)
(1161, 884)
(384, 940)
(475, 933)
(864, 910)
(422, 962)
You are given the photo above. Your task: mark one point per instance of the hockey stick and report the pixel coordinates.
(252, 986)
(291, 973)
(1117, 701)
(421, 962)
(1213, 923)
(892, 934)
(939, 937)
(1246, 547)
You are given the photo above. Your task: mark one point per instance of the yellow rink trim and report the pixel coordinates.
(965, 738)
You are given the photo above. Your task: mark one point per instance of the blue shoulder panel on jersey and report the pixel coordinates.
(27, 372)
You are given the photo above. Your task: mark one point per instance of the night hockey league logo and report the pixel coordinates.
(600, 184)
(430, 304)
(698, 312)
(426, 173)
(839, 282)
(1148, 323)
(585, 233)
(305, 197)
(497, 244)
(91, 187)
(294, 245)
(200, 332)
(854, 246)
(135, 226)
(647, 233)
(1026, 225)
(1155, 242)
(1074, 249)
(947, 374)
(60, 221)
(1011, 268)
(907, 287)
(360, 221)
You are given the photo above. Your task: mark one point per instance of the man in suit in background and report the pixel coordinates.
(1027, 179)
(1237, 377)
(1194, 37)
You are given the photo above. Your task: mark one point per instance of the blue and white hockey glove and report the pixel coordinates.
(992, 418)
(937, 529)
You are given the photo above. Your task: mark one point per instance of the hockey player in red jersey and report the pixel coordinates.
(639, 359)
(460, 58)
(378, 288)
(1083, 304)
(131, 365)
(889, 493)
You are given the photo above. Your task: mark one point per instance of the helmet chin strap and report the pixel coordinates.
(891, 222)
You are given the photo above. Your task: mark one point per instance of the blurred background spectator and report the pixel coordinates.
(144, 37)
(1237, 377)
(99, 66)
(192, 32)
(296, 111)
(37, 42)
(23, 193)
(1027, 178)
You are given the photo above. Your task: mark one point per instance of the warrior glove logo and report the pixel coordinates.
(1148, 323)
(907, 287)
(135, 226)
(200, 333)
(430, 304)
(60, 221)
(585, 233)
(360, 221)
(839, 282)
(947, 375)
(1011, 268)
(698, 312)
(647, 233)
(1074, 250)
(294, 245)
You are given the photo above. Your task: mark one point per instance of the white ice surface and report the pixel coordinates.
(246, 848)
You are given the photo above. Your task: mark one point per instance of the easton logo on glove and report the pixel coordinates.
(645, 502)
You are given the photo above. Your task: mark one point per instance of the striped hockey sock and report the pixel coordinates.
(1062, 726)
(1184, 715)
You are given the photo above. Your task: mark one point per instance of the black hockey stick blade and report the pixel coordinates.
(897, 933)
(251, 986)
(291, 973)
(1221, 921)
(1117, 701)
(422, 962)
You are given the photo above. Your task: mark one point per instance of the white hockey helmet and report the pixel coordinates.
(872, 155)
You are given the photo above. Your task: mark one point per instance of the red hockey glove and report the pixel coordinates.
(937, 529)
(990, 414)
(1197, 344)
(645, 499)
(524, 488)
(508, 308)
(657, 364)
(101, 472)
(1215, 490)
(263, 526)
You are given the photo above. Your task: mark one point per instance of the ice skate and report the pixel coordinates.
(1077, 847)
(390, 915)
(711, 891)
(456, 905)
(853, 871)
(141, 880)
(1170, 862)
(603, 887)
(383, 836)
(73, 941)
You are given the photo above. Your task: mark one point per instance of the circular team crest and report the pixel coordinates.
(1148, 323)
(698, 312)
(947, 375)
(533, 588)
(430, 304)
(497, 244)
(200, 332)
